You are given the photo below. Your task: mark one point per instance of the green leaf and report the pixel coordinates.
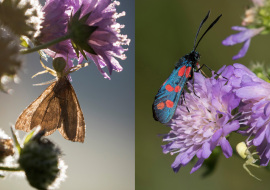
(24, 42)
(28, 137)
(17, 144)
(211, 162)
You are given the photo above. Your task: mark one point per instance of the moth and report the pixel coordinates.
(57, 107)
(169, 94)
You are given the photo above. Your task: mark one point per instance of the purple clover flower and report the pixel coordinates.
(98, 17)
(255, 108)
(245, 36)
(207, 123)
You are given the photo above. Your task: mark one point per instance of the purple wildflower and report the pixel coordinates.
(207, 123)
(255, 107)
(245, 36)
(93, 28)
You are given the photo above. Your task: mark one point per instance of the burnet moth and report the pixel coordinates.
(170, 92)
(57, 107)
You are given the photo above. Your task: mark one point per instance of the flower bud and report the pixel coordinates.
(40, 159)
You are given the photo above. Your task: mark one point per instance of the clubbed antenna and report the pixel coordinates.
(203, 21)
(213, 23)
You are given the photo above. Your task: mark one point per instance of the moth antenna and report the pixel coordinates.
(203, 21)
(213, 23)
(45, 83)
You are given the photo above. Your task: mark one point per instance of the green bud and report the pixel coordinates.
(261, 71)
(39, 159)
(59, 64)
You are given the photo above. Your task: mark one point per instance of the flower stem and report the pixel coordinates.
(43, 46)
(11, 169)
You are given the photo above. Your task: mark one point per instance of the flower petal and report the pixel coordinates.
(226, 147)
(242, 51)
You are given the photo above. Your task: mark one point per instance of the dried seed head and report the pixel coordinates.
(40, 160)
(23, 17)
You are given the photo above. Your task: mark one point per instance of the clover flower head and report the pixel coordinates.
(202, 123)
(94, 32)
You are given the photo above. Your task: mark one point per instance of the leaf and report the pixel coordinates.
(17, 144)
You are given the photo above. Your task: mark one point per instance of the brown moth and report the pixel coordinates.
(56, 108)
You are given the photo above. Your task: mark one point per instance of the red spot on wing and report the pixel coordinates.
(160, 106)
(177, 89)
(181, 71)
(169, 103)
(169, 88)
(188, 72)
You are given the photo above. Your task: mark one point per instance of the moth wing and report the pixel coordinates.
(47, 114)
(169, 94)
(24, 120)
(72, 121)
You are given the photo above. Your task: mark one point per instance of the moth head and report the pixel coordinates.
(59, 65)
(194, 56)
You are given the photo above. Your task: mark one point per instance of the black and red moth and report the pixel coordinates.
(170, 92)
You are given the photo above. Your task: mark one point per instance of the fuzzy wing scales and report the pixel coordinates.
(25, 120)
(72, 125)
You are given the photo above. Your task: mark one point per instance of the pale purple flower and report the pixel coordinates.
(103, 44)
(244, 36)
(202, 122)
(255, 108)
(259, 3)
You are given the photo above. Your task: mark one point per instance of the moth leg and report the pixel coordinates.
(194, 89)
(199, 69)
(77, 67)
(184, 100)
(51, 71)
(47, 70)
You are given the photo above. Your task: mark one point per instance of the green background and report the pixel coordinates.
(165, 31)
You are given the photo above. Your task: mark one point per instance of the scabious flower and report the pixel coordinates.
(203, 122)
(92, 29)
(255, 107)
(22, 17)
(256, 21)
(244, 36)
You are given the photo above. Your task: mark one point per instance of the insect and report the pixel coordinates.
(243, 151)
(57, 107)
(170, 92)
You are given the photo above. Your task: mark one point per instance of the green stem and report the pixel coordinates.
(18, 169)
(43, 46)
